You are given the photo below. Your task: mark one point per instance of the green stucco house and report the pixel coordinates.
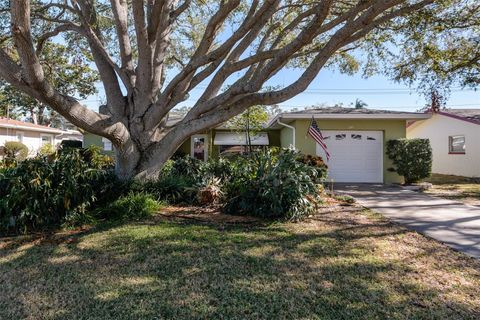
(355, 138)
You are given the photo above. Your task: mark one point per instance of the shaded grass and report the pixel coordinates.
(458, 188)
(337, 265)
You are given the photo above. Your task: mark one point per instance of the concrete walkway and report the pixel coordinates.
(455, 224)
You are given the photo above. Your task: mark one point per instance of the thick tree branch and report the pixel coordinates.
(33, 79)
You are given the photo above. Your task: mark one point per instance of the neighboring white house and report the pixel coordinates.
(32, 135)
(454, 135)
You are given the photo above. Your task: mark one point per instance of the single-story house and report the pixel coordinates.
(454, 135)
(32, 135)
(209, 144)
(356, 140)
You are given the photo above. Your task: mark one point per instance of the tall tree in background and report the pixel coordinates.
(151, 54)
(360, 104)
(439, 49)
(250, 122)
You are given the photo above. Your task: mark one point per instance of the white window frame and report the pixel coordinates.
(450, 144)
(106, 142)
(50, 136)
(21, 134)
(205, 156)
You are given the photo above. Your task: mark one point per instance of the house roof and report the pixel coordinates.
(343, 110)
(26, 126)
(348, 113)
(469, 115)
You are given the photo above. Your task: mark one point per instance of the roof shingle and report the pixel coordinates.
(343, 110)
(469, 114)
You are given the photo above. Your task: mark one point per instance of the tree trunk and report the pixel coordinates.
(133, 163)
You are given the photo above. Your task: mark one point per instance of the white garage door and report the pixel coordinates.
(355, 156)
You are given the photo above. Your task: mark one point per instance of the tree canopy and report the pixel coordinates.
(151, 54)
(437, 49)
(65, 70)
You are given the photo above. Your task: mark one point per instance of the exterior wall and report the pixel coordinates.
(90, 139)
(274, 139)
(438, 129)
(392, 129)
(32, 139)
(286, 137)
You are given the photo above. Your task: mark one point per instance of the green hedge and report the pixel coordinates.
(48, 191)
(273, 185)
(412, 158)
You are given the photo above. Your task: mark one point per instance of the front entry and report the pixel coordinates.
(199, 147)
(355, 156)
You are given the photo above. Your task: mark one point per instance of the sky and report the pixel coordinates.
(330, 88)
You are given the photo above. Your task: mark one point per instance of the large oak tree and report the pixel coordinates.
(150, 54)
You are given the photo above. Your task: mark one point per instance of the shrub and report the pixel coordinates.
(412, 158)
(170, 188)
(272, 186)
(47, 192)
(47, 149)
(210, 193)
(317, 163)
(133, 206)
(94, 156)
(15, 151)
(181, 180)
(190, 168)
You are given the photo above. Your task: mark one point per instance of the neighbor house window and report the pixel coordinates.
(107, 144)
(456, 144)
(20, 137)
(46, 139)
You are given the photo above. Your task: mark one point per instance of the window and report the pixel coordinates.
(356, 136)
(46, 139)
(226, 150)
(20, 137)
(456, 144)
(340, 136)
(107, 144)
(371, 138)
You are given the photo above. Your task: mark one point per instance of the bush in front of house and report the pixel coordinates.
(187, 180)
(412, 158)
(170, 188)
(132, 206)
(14, 151)
(272, 185)
(317, 163)
(47, 149)
(49, 191)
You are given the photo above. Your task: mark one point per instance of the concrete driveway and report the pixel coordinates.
(453, 223)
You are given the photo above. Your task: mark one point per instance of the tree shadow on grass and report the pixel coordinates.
(196, 270)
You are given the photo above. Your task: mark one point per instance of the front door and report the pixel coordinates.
(199, 147)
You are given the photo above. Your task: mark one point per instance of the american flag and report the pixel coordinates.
(314, 132)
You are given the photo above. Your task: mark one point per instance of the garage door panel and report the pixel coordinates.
(356, 156)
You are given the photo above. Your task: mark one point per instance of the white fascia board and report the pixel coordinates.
(26, 128)
(375, 116)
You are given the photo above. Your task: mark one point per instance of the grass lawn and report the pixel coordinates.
(343, 263)
(462, 189)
